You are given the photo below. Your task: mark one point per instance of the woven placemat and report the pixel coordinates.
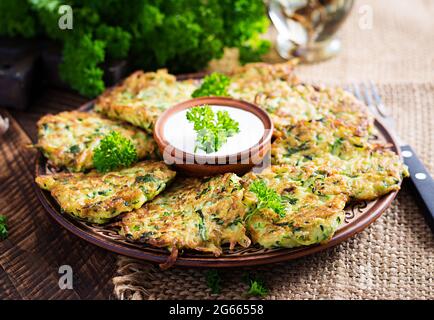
(391, 259)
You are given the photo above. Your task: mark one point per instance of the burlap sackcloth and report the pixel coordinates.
(394, 257)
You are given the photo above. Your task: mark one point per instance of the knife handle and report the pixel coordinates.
(422, 182)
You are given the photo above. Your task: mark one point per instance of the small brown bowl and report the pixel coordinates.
(204, 165)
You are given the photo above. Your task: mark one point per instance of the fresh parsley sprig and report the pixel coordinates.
(215, 84)
(3, 227)
(213, 281)
(212, 131)
(114, 151)
(267, 198)
(257, 288)
(256, 285)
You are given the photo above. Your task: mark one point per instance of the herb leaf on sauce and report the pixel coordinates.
(213, 130)
(215, 84)
(114, 151)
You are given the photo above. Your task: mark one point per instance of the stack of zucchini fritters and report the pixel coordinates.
(323, 156)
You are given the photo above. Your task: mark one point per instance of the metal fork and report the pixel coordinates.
(421, 180)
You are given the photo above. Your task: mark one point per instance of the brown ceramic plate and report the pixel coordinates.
(357, 217)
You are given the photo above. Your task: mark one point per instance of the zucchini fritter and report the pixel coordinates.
(368, 168)
(374, 173)
(254, 80)
(289, 104)
(142, 97)
(68, 139)
(312, 207)
(98, 197)
(198, 214)
(275, 88)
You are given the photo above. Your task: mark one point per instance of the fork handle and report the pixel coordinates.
(422, 182)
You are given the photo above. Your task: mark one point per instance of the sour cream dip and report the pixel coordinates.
(180, 133)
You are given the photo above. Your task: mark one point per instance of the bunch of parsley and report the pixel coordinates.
(212, 131)
(183, 35)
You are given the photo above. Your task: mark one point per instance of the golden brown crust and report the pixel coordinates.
(98, 197)
(198, 214)
(142, 97)
(68, 139)
(310, 215)
(261, 72)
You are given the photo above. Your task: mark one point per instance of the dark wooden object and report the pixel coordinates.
(23, 61)
(18, 66)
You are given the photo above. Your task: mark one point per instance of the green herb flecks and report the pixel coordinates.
(212, 131)
(3, 227)
(290, 200)
(267, 198)
(213, 281)
(113, 152)
(290, 151)
(145, 178)
(215, 84)
(202, 228)
(74, 149)
(335, 148)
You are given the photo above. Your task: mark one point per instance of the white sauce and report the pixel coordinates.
(179, 132)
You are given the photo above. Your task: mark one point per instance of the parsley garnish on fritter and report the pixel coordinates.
(267, 198)
(215, 84)
(114, 151)
(3, 227)
(212, 131)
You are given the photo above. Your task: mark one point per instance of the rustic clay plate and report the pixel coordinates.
(357, 217)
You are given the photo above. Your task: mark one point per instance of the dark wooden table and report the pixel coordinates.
(36, 247)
